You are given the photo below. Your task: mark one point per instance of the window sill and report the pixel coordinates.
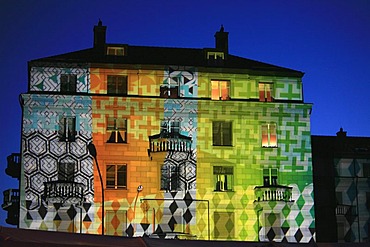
(118, 188)
(223, 191)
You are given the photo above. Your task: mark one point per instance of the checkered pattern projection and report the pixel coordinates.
(233, 168)
(352, 191)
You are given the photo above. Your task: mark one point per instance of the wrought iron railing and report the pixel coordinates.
(11, 197)
(343, 209)
(273, 193)
(14, 165)
(63, 192)
(169, 143)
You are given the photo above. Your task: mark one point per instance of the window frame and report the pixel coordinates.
(67, 130)
(173, 177)
(68, 83)
(270, 177)
(113, 81)
(116, 51)
(266, 94)
(224, 130)
(269, 137)
(113, 132)
(217, 88)
(115, 177)
(221, 175)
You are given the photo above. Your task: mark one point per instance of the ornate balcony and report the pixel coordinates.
(169, 142)
(273, 193)
(64, 192)
(14, 165)
(11, 204)
(345, 210)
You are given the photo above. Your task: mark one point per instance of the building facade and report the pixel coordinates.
(132, 140)
(342, 187)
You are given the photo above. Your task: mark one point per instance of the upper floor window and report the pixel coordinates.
(116, 176)
(66, 171)
(170, 177)
(266, 92)
(215, 55)
(68, 83)
(116, 51)
(117, 130)
(67, 129)
(223, 178)
(222, 133)
(220, 90)
(117, 84)
(270, 177)
(170, 127)
(269, 138)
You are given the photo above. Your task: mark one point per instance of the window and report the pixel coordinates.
(270, 177)
(170, 177)
(265, 92)
(66, 171)
(117, 84)
(117, 130)
(169, 91)
(68, 83)
(223, 178)
(116, 176)
(222, 133)
(67, 129)
(215, 55)
(116, 51)
(269, 138)
(220, 90)
(172, 127)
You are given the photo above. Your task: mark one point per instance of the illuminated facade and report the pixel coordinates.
(196, 142)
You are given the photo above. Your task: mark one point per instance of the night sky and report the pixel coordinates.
(327, 40)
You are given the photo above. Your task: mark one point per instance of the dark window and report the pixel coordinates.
(170, 177)
(170, 127)
(117, 130)
(117, 85)
(116, 176)
(270, 177)
(68, 83)
(366, 169)
(116, 51)
(223, 178)
(222, 133)
(67, 129)
(66, 171)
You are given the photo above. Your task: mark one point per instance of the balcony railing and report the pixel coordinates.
(11, 198)
(169, 143)
(343, 209)
(64, 192)
(273, 193)
(14, 165)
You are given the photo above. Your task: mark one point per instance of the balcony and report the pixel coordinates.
(169, 142)
(11, 205)
(64, 192)
(14, 165)
(273, 193)
(345, 210)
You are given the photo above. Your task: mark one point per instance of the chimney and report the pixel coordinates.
(99, 36)
(341, 133)
(222, 40)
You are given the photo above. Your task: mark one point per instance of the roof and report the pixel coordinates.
(149, 55)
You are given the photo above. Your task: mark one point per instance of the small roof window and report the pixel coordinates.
(115, 50)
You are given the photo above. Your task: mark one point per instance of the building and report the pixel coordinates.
(199, 143)
(342, 187)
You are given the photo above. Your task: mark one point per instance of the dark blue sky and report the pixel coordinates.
(328, 40)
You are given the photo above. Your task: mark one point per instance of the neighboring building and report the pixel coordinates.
(342, 187)
(194, 142)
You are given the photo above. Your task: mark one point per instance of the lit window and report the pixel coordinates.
(223, 178)
(270, 177)
(68, 83)
(222, 133)
(67, 129)
(265, 92)
(116, 176)
(117, 130)
(66, 171)
(215, 55)
(170, 177)
(115, 51)
(220, 90)
(117, 85)
(269, 138)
